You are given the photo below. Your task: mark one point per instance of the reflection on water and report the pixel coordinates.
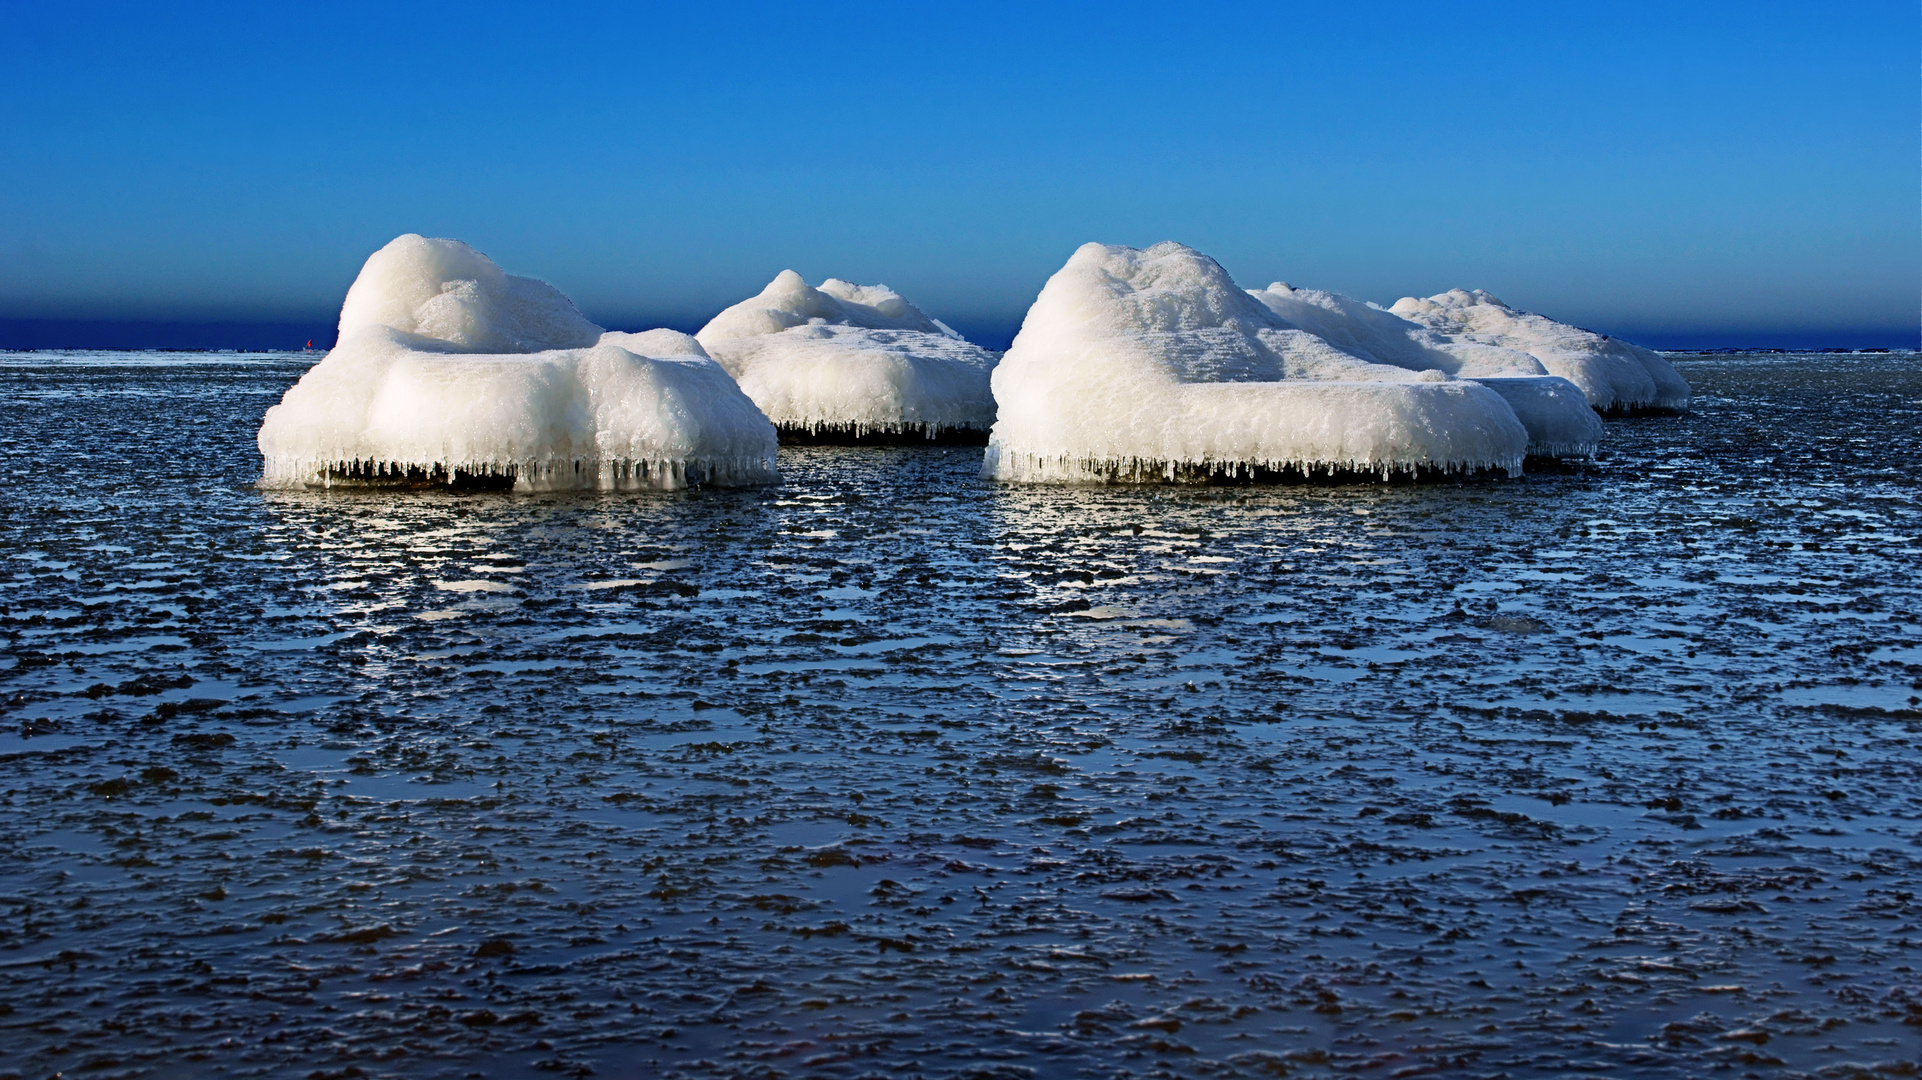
(892, 772)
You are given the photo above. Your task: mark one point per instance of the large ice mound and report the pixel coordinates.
(1141, 364)
(448, 369)
(1615, 375)
(851, 360)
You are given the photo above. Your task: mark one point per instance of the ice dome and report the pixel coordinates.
(846, 360)
(1140, 364)
(1556, 414)
(1616, 376)
(448, 370)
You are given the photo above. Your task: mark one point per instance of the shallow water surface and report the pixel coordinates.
(1611, 770)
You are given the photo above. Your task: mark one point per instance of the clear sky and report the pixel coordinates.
(1654, 169)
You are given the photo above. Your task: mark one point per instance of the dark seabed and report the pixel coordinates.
(1611, 771)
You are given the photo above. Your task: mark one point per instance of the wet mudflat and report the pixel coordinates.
(1607, 771)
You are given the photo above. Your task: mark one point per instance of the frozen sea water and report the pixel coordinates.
(891, 771)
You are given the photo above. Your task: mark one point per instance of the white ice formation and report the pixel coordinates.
(1558, 418)
(1142, 364)
(1615, 375)
(851, 360)
(449, 369)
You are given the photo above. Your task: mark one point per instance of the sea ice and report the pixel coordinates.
(851, 360)
(449, 369)
(1616, 376)
(1139, 364)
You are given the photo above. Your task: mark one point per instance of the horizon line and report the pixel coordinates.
(50, 333)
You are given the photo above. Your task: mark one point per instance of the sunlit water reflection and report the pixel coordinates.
(893, 772)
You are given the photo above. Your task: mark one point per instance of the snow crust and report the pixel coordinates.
(1615, 375)
(449, 293)
(1141, 364)
(656, 343)
(855, 359)
(1556, 414)
(447, 368)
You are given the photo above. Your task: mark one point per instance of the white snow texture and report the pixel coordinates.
(1554, 412)
(857, 359)
(446, 368)
(1616, 376)
(1142, 364)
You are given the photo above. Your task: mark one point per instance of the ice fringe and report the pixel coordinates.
(851, 360)
(1615, 375)
(1137, 364)
(450, 371)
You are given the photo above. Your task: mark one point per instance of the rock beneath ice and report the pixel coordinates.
(1559, 420)
(1141, 364)
(851, 360)
(448, 370)
(1615, 375)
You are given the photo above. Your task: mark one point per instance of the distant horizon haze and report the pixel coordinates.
(1696, 175)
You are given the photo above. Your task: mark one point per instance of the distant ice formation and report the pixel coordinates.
(851, 360)
(1615, 376)
(448, 369)
(1141, 364)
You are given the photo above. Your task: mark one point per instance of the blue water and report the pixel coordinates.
(1610, 770)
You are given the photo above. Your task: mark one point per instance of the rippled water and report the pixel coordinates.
(892, 772)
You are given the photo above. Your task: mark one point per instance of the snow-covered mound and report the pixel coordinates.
(1616, 376)
(657, 343)
(1139, 364)
(448, 369)
(851, 360)
(1559, 420)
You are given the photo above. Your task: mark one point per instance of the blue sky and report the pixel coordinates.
(1647, 169)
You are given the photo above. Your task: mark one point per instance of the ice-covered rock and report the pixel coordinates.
(1615, 375)
(1559, 420)
(851, 360)
(657, 343)
(452, 295)
(1140, 364)
(448, 369)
